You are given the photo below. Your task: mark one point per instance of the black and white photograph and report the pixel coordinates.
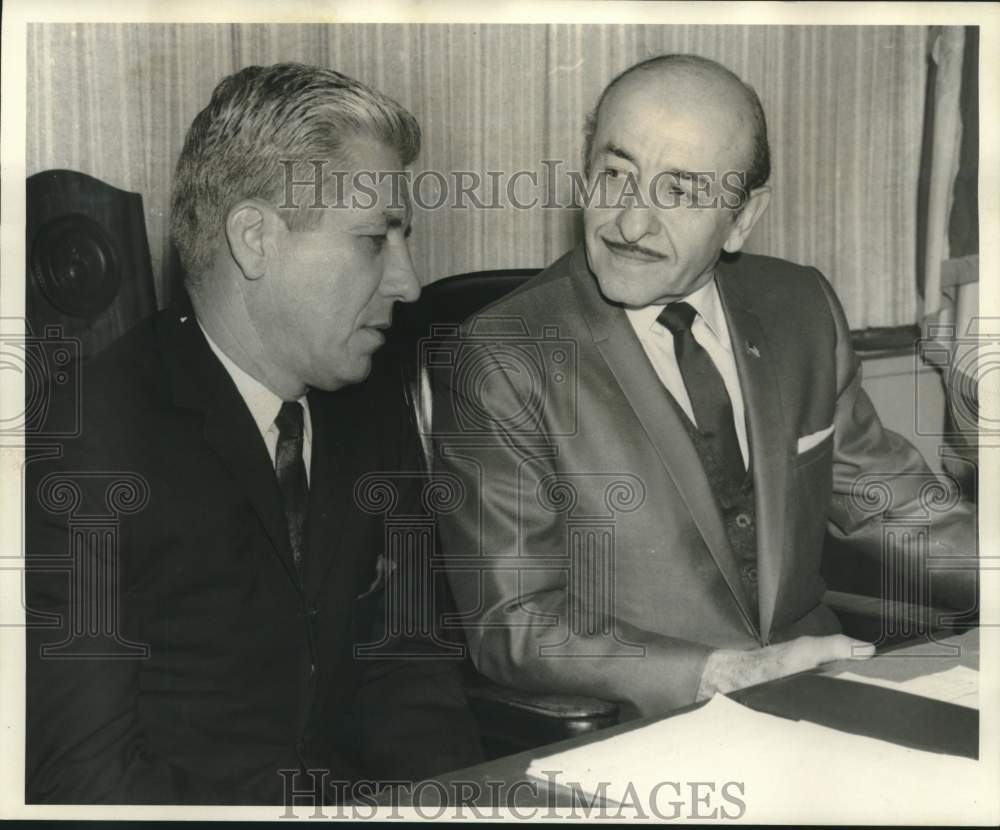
(567, 411)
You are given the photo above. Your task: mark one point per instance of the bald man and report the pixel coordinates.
(649, 508)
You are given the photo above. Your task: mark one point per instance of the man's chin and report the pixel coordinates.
(360, 371)
(629, 294)
(357, 372)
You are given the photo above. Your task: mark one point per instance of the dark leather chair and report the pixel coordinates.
(511, 720)
(442, 307)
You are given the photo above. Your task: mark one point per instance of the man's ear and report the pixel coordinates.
(754, 208)
(251, 232)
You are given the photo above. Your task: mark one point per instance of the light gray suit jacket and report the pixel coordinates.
(589, 555)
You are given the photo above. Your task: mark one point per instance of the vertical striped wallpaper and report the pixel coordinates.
(844, 105)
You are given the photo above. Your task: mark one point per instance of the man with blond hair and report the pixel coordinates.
(251, 657)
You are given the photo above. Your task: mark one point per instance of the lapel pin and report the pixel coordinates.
(752, 349)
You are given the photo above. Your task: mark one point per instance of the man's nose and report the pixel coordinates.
(400, 278)
(636, 222)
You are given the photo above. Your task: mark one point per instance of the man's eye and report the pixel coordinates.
(377, 241)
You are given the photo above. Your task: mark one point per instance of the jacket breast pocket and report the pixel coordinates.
(810, 489)
(821, 449)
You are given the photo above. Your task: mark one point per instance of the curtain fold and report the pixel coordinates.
(844, 105)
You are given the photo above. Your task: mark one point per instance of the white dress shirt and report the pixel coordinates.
(712, 333)
(264, 406)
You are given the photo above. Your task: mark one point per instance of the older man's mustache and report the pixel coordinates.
(638, 251)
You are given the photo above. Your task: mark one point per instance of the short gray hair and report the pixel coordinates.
(257, 118)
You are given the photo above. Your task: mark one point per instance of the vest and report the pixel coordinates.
(735, 500)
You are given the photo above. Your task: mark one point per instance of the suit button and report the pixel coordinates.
(312, 613)
(743, 520)
(750, 572)
(313, 670)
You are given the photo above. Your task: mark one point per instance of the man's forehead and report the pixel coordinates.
(685, 82)
(394, 201)
(385, 191)
(696, 96)
(658, 120)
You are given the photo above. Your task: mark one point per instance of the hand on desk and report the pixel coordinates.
(727, 670)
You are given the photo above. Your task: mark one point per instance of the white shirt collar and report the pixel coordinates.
(263, 404)
(704, 300)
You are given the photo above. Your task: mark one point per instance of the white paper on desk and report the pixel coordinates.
(958, 684)
(788, 771)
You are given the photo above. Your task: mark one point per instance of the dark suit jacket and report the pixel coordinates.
(222, 668)
(590, 555)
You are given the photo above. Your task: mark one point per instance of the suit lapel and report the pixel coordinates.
(198, 381)
(320, 540)
(765, 417)
(622, 352)
(333, 515)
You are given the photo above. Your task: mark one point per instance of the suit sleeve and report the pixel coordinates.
(411, 708)
(879, 475)
(527, 623)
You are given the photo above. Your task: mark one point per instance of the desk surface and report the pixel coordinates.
(815, 696)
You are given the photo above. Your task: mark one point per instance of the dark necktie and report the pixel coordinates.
(713, 411)
(291, 470)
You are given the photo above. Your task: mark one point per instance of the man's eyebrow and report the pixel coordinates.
(614, 150)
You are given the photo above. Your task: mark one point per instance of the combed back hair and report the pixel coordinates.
(257, 118)
(759, 168)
